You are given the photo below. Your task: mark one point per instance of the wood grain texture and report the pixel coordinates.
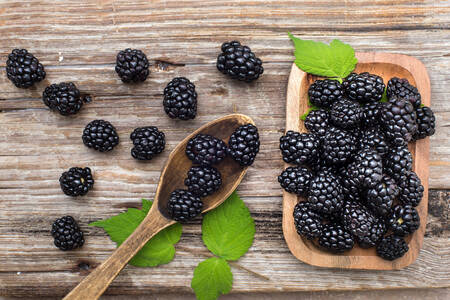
(78, 41)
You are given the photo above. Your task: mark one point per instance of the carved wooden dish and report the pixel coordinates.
(387, 66)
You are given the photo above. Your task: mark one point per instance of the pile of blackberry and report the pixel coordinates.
(354, 168)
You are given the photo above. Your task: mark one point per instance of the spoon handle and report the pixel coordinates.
(93, 286)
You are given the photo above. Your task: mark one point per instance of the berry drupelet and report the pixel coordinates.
(397, 161)
(100, 135)
(370, 114)
(183, 205)
(411, 189)
(404, 220)
(345, 114)
(147, 142)
(317, 121)
(397, 87)
(381, 197)
(205, 150)
(364, 87)
(243, 145)
(392, 247)
(426, 122)
(357, 219)
(64, 97)
(373, 138)
(76, 181)
(23, 69)
(180, 99)
(376, 232)
(203, 180)
(335, 238)
(67, 234)
(295, 180)
(307, 222)
(368, 167)
(132, 65)
(325, 193)
(323, 93)
(338, 146)
(299, 148)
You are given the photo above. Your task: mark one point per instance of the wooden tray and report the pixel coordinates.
(385, 65)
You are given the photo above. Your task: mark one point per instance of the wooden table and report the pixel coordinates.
(78, 42)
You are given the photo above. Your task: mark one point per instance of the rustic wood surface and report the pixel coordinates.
(78, 41)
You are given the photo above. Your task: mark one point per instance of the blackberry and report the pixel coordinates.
(325, 193)
(243, 144)
(67, 234)
(364, 87)
(351, 187)
(76, 181)
(148, 142)
(64, 97)
(23, 69)
(369, 167)
(317, 121)
(203, 181)
(345, 114)
(370, 115)
(132, 65)
(295, 180)
(404, 220)
(381, 197)
(411, 189)
(183, 205)
(180, 99)
(299, 148)
(397, 162)
(425, 123)
(100, 135)
(323, 93)
(374, 138)
(338, 146)
(398, 119)
(205, 150)
(335, 238)
(392, 247)
(397, 87)
(376, 232)
(239, 62)
(357, 219)
(307, 222)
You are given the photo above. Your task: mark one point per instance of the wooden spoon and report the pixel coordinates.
(172, 177)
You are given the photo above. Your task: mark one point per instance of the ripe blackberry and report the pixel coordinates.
(325, 193)
(239, 62)
(369, 167)
(345, 114)
(76, 181)
(180, 99)
(411, 189)
(404, 220)
(338, 146)
(351, 187)
(364, 87)
(381, 197)
(132, 65)
(203, 180)
(299, 148)
(376, 232)
(243, 144)
(205, 150)
(323, 93)
(370, 115)
(295, 180)
(397, 161)
(425, 123)
(374, 138)
(398, 119)
(307, 222)
(100, 135)
(402, 88)
(357, 219)
(317, 121)
(183, 205)
(392, 247)
(67, 234)
(23, 69)
(335, 238)
(148, 142)
(64, 97)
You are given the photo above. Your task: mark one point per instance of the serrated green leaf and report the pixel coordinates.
(212, 278)
(228, 231)
(384, 97)
(159, 250)
(345, 59)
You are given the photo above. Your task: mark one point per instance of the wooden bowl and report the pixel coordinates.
(387, 66)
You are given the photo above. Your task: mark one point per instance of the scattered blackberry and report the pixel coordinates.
(338, 146)
(402, 88)
(307, 222)
(351, 187)
(323, 93)
(243, 144)
(374, 138)
(100, 135)
(364, 87)
(132, 65)
(317, 121)
(203, 181)
(299, 148)
(370, 115)
(392, 247)
(425, 123)
(67, 234)
(397, 162)
(64, 97)
(184, 206)
(180, 99)
(335, 238)
(381, 197)
(369, 167)
(404, 220)
(295, 180)
(239, 62)
(205, 150)
(76, 181)
(345, 114)
(325, 193)
(411, 189)
(376, 232)
(398, 119)
(357, 219)
(23, 69)
(148, 142)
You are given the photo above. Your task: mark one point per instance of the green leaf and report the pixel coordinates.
(212, 278)
(228, 230)
(159, 250)
(384, 97)
(344, 56)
